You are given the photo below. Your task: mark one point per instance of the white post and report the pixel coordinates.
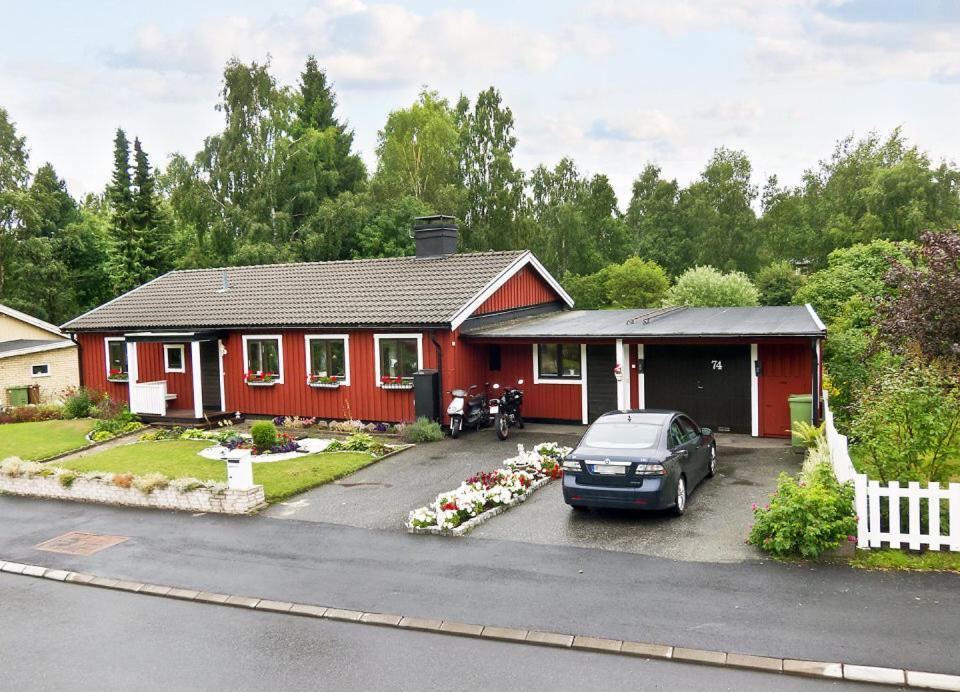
(623, 367)
(223, 393)
(197, 388)
(132, 368)
(627, 367)
(641, 394)
(860, 502)
(754, 393)
(583, 383)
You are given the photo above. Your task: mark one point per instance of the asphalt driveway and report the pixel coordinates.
(382, 495)
(717, 520)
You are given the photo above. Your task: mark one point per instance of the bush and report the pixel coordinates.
(422, 430)
(709, 287)
(777, 283)
(358, 442)
(123, 480)
(30, 414)
(67, 478)
(102, 436)
(806, 516)
(109, 408)
(264, 434)
(79, 402)
(637, 283)
(906, 425)
(150, 482)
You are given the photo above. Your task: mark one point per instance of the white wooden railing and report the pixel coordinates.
(149, 398)
(872, 531)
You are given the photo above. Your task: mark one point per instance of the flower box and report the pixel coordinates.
(121, 379)
(261, 383)
(324, 385)
(397, 385)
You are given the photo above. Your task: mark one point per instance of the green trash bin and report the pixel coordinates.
(18, 396)
(801, 409)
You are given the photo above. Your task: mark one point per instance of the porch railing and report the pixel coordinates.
(149, 398)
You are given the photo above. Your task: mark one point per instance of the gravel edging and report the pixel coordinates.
(471, 524)
(834, 671)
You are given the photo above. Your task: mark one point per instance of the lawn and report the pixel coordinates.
(900, 559)
(43, 439)
(179, 459)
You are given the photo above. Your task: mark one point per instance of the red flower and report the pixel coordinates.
(451, 505)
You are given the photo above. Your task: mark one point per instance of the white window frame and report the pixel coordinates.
(166, 357)
(40, 365)
(558, 380)
(106, 353)
(257, 337)
(345, 338)
(376, 351)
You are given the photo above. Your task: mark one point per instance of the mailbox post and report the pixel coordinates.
(239, 469)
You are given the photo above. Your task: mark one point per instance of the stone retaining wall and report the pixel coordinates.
(89, 490)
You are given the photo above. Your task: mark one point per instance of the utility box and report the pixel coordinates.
(18, 396)
(239, 469)
(801, 409)
(426, 394)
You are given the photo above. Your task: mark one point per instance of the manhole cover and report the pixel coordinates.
(79, 543)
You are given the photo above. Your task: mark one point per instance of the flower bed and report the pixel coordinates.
(487, 494)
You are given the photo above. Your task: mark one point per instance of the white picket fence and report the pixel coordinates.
(871, 530)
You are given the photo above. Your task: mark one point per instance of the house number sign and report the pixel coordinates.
(717, 364)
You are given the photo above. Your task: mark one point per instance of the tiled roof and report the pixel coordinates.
(371, 292)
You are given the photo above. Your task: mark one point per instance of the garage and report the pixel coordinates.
(709, 383)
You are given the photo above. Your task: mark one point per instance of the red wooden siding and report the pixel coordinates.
(150, 366)
(93, 366)
(785, 370)
(526, 287)
(553, 401)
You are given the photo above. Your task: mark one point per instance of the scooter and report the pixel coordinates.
(466, 410)
(506, 410)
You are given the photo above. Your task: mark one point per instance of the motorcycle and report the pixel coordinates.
(467, 410)
(506, 410)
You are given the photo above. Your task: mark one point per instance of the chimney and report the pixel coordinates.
(435, 235)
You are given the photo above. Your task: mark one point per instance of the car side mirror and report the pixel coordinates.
(706, 431)
(520, 381)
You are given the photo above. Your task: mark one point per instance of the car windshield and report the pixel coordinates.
(622, 435)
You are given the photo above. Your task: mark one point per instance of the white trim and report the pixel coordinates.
(223, 391)
(166, 358)
(619, 354)
(29, 319)
(498, 281)
(626, 366)
(254, 337)
(106, 353)
(641, 391)
(754, 393)
(133, 367)
(816, 318)
(376, 350)
(537, 379)
(197, 383)
(40, 365)
(66, 325)
(345, 338)
(37, 349)
(583, 387)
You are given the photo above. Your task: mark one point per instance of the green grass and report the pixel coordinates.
(43, 439)
(179, 459)
(900, 559)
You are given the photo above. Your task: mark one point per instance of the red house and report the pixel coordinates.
(343, 339)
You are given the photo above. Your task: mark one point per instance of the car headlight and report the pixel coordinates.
(648, 469)
(571, 465)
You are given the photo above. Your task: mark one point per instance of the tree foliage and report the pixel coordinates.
(706, 286)
(777, 283)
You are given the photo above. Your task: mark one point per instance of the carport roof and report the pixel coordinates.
(660, 323)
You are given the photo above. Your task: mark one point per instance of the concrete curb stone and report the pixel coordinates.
(550, 639)
(381, 619)
(32, 571)
(507, 634)
(155, 589)
(646, 650)
(610, 646)
(714, 658)
(425, 624)
(343, 614)
(462, 629)
(774, 665)
(274, 606)
(883, 676)
(307, 610)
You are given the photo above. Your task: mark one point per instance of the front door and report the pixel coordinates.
(210, 375)
(601, 382)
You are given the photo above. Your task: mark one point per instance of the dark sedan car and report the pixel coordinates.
(643, 459)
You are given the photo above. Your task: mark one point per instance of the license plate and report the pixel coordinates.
(604, 470)
(494, 409)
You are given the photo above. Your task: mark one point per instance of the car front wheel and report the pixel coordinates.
(681, 506)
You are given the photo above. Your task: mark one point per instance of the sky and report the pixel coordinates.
(613, 84)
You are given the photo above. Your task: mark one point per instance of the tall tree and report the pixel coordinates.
(654, 222)
(148, 221)
(127, 262)
(493, 185)
(16, 207)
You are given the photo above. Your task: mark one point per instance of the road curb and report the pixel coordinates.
(580, 642)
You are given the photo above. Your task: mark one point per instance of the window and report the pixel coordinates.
(676, 435)
(557, 361)
(398, 356)
(173, 360)
(264, 356)
(493, 356)
(116, 351)
(690, 430)
(328, 357)
(41, 370)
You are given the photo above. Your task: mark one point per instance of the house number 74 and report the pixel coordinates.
(717, 364)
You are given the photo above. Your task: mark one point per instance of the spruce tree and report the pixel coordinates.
(148, 224)
(126, 260)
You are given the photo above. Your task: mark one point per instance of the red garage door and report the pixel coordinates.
(785, 370)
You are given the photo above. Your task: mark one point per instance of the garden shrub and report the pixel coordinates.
(806, 516)
(358, 442)
(264, 434)
(705, 286)
(79, 402)
(422, 430)
(123, 480)
(30, 414)
(11, 466)
(102, 436)
(150, 482)
(906, 425)
(67, 478)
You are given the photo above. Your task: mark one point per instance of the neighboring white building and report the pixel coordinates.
(36, 355)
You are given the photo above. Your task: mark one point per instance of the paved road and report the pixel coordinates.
(57, 636)
(382, 495)
(717, 521)
(819, 613)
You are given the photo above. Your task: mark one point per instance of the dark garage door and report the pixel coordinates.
(601, 382)
(710, 383)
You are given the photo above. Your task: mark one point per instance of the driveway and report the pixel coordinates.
(382, 495)
(717, 520)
